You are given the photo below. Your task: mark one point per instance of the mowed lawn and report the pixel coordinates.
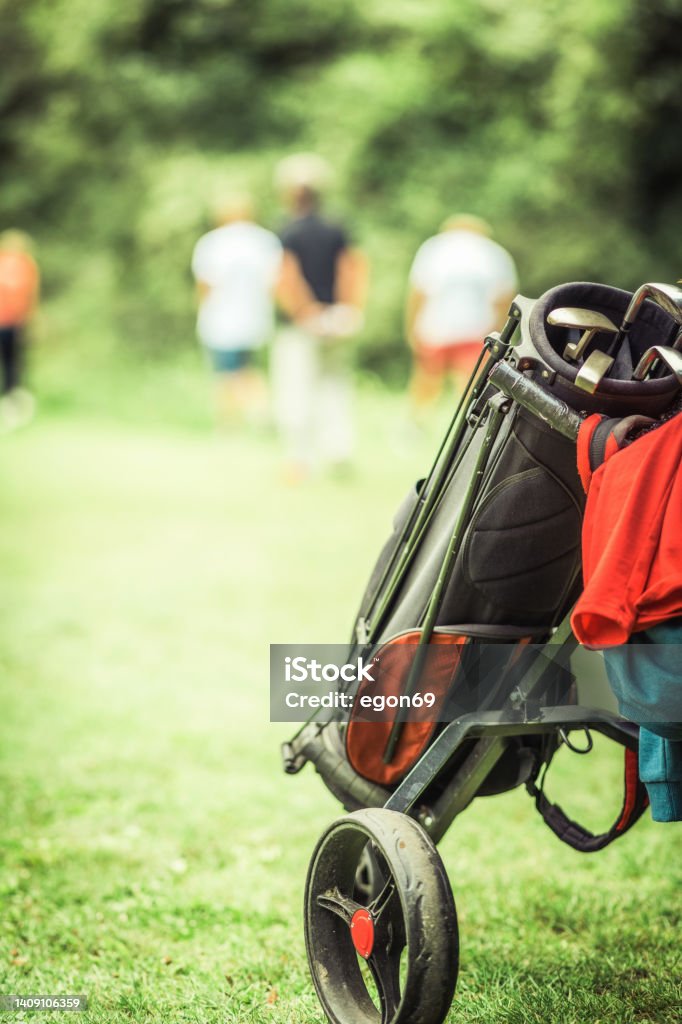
(153, 853)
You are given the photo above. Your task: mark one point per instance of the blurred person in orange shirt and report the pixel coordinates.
(19, 287)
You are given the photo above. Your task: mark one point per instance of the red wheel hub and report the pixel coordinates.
(362, 932)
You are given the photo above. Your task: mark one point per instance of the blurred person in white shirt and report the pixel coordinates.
(460, 287)
(236, 267)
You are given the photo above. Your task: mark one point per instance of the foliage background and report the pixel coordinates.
(120, 124)
(152, 853)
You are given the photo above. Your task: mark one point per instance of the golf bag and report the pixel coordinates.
(486, 550)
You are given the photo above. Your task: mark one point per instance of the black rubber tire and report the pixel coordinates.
(415, 912)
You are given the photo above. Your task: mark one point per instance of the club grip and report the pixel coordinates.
(536, 400)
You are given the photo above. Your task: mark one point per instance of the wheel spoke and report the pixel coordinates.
(390, 939)
(343, 906)
(384, 963)
(388, 916)
(380, 902)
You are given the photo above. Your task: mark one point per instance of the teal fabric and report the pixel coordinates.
(660, 769)
(646, 677)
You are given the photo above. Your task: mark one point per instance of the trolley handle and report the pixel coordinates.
(536, 400)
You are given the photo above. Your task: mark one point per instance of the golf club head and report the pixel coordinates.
(582, 319)
(593, 371)
(590, 321)
(667, 296)
(670, 356)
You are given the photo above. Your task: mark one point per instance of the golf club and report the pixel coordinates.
(588, 320)
(667, 296)
(593, 370)
(670, 356)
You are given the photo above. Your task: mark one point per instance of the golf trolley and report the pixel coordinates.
(472, 594)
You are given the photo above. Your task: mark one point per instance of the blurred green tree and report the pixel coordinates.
(120, 124)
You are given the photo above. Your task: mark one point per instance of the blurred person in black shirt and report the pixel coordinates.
(321, 294)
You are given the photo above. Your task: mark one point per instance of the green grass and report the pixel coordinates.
(153, 854)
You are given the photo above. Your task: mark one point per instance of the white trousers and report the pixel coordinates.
(312, 399)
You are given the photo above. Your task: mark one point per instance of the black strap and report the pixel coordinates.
(598, 441)
(619, 429)
(634, 804)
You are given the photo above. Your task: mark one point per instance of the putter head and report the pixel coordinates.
(670, 356)
(588, 320)
(593, 371)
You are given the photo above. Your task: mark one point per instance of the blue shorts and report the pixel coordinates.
(229, 360)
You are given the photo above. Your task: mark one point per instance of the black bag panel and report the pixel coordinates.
(410, 603)
(523, 544)
(521, 552)
(545, 447)
(405, 510)
(518, 488)
(407, 505)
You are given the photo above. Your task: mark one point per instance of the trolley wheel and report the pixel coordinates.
(391, 959)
